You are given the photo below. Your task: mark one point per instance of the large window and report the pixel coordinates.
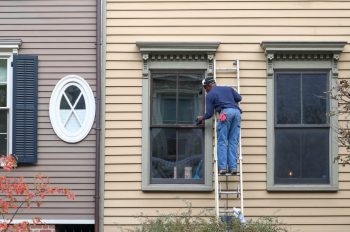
(301, 140)
(176, 153)
(177, 143)
(302, 127)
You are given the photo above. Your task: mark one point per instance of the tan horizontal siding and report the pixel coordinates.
(240, 27)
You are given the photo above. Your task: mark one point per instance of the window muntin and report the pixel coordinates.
(302, 128)
(177, 144)
(72, 108)
(73, 117)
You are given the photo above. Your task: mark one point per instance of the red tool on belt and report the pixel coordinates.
(222, 117)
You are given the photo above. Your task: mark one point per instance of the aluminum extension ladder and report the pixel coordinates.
(229, 187)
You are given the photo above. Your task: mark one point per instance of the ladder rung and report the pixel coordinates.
(229, 174)
(229, 85)
(226, 70)
(229, 192)
(226, 211)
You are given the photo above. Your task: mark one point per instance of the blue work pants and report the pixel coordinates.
(228, 139)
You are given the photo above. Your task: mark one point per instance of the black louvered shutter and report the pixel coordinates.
(25, 107)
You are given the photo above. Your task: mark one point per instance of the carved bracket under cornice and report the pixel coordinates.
(302, 51)
(177, 51)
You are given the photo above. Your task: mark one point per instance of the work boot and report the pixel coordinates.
(232, 171)
(222, 172)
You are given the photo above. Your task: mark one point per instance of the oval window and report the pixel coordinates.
(72, 109)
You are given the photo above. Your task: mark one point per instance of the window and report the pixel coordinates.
(301, 127)
(18, 102)
(5, 104)
(176, 153)
(301, 144)
(73, 117)
(177, 144)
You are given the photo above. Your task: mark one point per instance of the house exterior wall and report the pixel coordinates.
(240, 27)
(63, 35)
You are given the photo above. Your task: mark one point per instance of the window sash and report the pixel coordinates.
(154, 124)
(7, 108)
(307, 127)
(302, 74)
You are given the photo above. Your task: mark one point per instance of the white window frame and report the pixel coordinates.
(8, 57)
(54, 109)
(9, 47)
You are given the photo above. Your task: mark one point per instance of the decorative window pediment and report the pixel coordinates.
(301, 51)
(177, 54)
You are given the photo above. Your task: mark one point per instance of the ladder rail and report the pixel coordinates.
(216, 171)
(217, 193)
(240, 143)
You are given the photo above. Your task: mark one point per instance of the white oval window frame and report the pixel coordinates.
(54, 109)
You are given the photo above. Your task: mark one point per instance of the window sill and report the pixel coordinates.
(302, 188)
(177, 188)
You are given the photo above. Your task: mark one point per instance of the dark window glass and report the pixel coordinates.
(3, 144)
(177, 144)
(72, 92)
(3, 121)
(302, 156)
(3, 96)
(288, 98)
(64, 104)
(314, 98)
(301, 128)
(81, 103)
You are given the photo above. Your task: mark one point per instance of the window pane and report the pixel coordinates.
(73, 124)
(3, 70)
(314, 98)
(3, 144)
(81, 103)
(72, 93)
(163, 156)
(301, 156)
(163, 99)
(177, 155)
(288, 98)
(3, 121)
(3, 95)
(64, 104)
(189, 99)
(190, 154)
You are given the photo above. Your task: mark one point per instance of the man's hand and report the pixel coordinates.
(199, 120)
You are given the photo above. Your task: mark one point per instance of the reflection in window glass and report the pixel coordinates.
(176, 142)
(3, 70)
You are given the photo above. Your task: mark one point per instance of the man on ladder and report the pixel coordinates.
(224, 100)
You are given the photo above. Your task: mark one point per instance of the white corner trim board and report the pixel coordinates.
(72, 109)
